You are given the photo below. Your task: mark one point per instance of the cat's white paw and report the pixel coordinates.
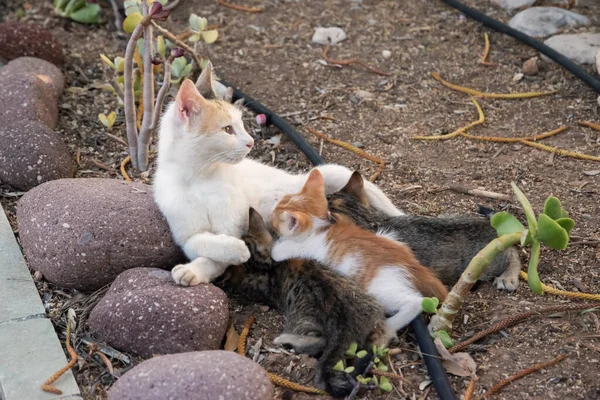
(507, 282)
(242, 254)
(190, 274)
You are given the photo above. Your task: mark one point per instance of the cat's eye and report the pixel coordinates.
(228, 129)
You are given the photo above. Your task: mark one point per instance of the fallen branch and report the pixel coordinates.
(499, 139)
(560, 152)
(589, 125)
(240, 8)
(479, 192)
(503, 383)
(477, 93)
(353, 61)
(459, 131)
(486, 50)
(47, 386)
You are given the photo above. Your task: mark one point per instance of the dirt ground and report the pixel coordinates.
(270, 56)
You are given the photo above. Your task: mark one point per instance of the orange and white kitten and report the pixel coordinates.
(386, 269)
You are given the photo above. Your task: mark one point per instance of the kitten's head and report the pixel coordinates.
(208, 128)
(258, 238)
(298, 213)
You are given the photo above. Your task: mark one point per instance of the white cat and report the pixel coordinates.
(204, 185)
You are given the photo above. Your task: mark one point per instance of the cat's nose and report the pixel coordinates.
(250, 144)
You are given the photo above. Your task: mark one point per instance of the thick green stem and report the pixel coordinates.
(533, 279)
(447, 312)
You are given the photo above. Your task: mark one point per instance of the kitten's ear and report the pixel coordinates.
(292, 221)
(355, 188)
(189, 102)
(256, 224)
(239, 103)
(315, 183)
(228, 94)
(204, 84)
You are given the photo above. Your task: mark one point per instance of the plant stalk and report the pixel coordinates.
(148, 92)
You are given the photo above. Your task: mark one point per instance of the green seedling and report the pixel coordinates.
(78, 11)
(108, 120)
(197, 26)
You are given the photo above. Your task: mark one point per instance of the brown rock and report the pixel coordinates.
(31, 154)
(146, 313)
(48, 73)
(25, 97)
(530, 67)
(82, 233)
(206, 375)
(19, 39)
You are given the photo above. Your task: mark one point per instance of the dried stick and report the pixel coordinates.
(486, 50)
(390, 375)
(480, 193)
(500, 139)
(560, 152)
(498, 326)
(241, 347)
(116, 138)
(102, 165)
(178, 42)
(470, 389)
(240, 8)
(123, 170)
(117, 12)
(459, 131)
(477, 93)
(47, 386)
(503, 383)
(589, 125)
(353, 61)
(145, 134)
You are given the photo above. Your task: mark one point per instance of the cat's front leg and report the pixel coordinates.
(285, 250)
(222, 249)
(197, 271)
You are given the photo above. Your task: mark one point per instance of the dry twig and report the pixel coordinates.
(500, 139)
(589, 125)
(479, 192)
(240, 8)
(459, 131)
(47, 386)
(353, 61)
(486, 50)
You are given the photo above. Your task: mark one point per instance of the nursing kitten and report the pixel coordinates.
(444, 244)
(204, 185)
(324, 311)
(383, 267)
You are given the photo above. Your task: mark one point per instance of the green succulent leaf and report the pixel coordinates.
(197, 24)
(194, 38)
(351, 352)
(119, 64)
(361, 354)
(376, 360)
(375, 380)
(533, 279)
(526, 238)
(139, 46)
(430, 304)
(554, 209)
(74, 5)
(90, 14)
(107, 61)
(385, 385)
(339, 366)
(210, 36)
(445, 338)
(505, 223)
(132, 21)
(382, 367)
(363, 380)
(567, 223)
(187, 70)
(527, 209)
(349, 370)
(160, 46)
(551, 233)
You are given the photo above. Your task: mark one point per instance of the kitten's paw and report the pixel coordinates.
(509, 283)
(278, 252)
(242, 254)
(189, 275)
(301, 344)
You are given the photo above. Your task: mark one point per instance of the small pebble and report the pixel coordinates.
(530, 67)
(386, 53)
(358, 145)
(518, 77)
(37, 276)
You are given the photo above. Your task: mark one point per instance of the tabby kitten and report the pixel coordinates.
(324, 311)
(444, 244)
(383, 267)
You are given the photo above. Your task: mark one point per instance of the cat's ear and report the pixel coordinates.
(292, 221)
(239, 103)
(355, 188)
(315, 183)
(228, 96)
(188, 101)
(256, 224)
(204, 84)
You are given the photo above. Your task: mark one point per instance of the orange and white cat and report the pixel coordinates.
(386, 269)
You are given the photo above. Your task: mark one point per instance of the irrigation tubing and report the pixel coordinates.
(430, 355)
(528, 40)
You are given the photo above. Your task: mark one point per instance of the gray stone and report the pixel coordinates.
(579, 47)
(512, 5)
(206, 375)
(19, 298)
(50, 75)
(82, 233)
(146, 313)
(331, 35)
(31, 353)
(19, 39)
(31, 154)
(25, 97)
(546, 21)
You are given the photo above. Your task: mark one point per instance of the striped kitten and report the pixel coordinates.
(444, 244)
(383, 267)
(324, 311)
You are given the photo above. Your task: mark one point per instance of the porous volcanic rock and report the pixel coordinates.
(31, 154)
(18, 39)
(82, 233)
(50, 75)
(205, 375)
(146, 313)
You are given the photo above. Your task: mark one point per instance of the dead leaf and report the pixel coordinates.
(459, 364)
(424, 384)
(592, 172)
(232, 339)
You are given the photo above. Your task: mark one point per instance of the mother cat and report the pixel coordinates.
(204, 185)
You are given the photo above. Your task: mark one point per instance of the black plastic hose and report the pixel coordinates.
(528, 40)
(430, 354)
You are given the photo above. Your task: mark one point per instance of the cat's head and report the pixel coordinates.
(302, 212)
(258, 238)
(209, 129)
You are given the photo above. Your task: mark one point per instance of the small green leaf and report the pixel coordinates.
(566, 223)
(375, 381)
(132, 10)
(382, 367)
(351, 352)
(363, 380)
(187, 70)
(74, 5)
(376, 360)
(112, 117)
(90, 14)
(385, 385)
(361, 354)
(505, 223)
(107, 61)
(210, 36)
(554, 209)
(132, 21)
(551, 233)
(526, 238)
(160, 46)
(119, 64)
(197, 24)
(103, 119)
(533, 279)
(527, 209)
(194, 38)
(429, 304)
(374, 349)
(139, 46)
(339, 366)
(445, 338)
(349, 370)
